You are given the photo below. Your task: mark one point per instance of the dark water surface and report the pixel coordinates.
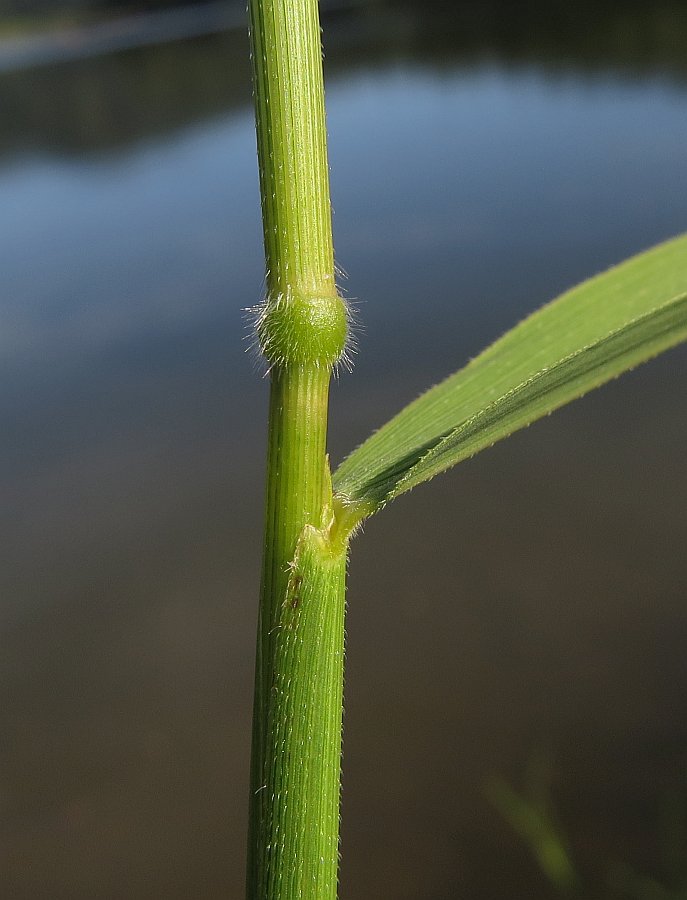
(532, 604)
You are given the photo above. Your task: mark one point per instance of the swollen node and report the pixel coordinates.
(306, 331)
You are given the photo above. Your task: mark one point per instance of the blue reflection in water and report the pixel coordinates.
(478, 191)
(152, 241)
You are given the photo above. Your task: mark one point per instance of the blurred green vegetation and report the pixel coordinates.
(531, 813)
(50, 7)
(26, 16)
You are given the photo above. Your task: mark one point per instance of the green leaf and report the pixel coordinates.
(533, 820)
(589, 335)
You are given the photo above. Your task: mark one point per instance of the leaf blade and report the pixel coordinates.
(587, 336)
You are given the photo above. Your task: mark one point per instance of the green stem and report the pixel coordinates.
(292, 146)
(294, 810)
(296, 803)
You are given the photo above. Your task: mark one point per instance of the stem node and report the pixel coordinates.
(296, 329)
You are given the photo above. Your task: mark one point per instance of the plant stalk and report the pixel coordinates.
(294, 803)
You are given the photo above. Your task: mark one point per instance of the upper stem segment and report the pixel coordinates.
(292, 146)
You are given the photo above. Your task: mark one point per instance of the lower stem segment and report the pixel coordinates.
(295, 770)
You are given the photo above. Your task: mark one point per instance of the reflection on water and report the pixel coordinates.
(88, 106)
(543, 606)
(111, 102)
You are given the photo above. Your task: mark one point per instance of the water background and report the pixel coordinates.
(530, 605)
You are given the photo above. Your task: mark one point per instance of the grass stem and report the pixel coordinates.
(294, 815)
